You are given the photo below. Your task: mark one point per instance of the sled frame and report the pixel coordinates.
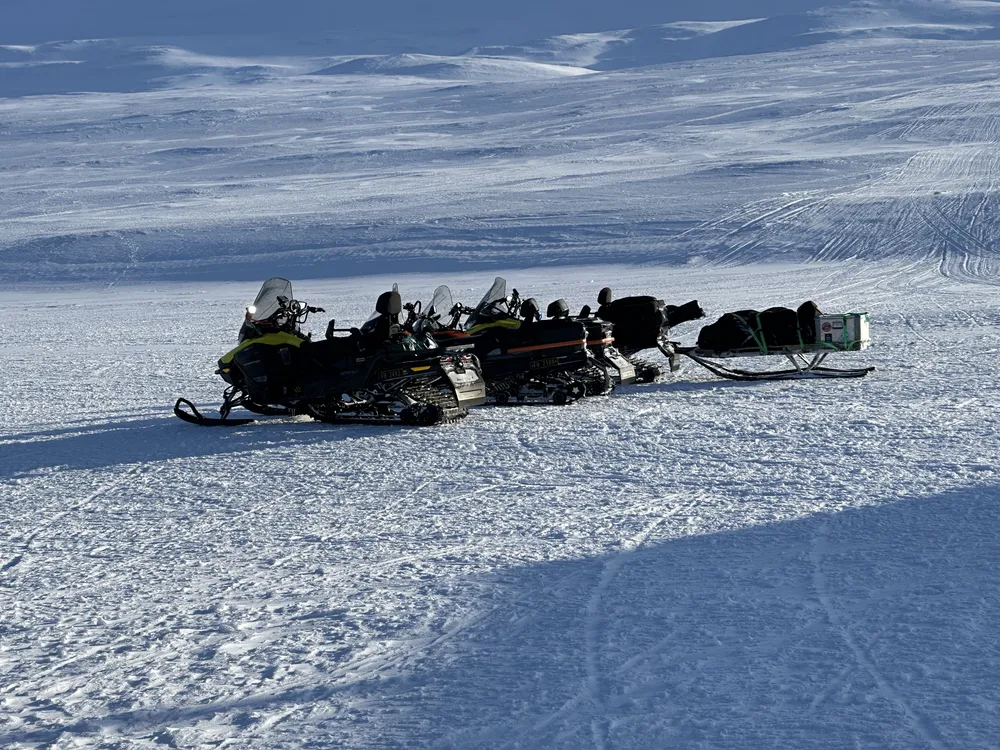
(806, 364)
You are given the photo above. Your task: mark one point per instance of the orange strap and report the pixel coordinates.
(539, 347)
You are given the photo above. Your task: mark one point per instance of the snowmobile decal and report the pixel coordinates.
(268, 339)
(504, 323)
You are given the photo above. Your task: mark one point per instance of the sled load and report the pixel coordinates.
(804, 336)
(641, 323)
(376, 374)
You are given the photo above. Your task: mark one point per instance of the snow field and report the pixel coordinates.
(694, 562)
(871, 148)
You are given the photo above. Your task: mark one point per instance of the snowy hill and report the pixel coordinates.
(690, 40)
(864, 131)
(448, 25)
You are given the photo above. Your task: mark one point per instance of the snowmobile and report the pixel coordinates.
(641, 323)
(525, 360)
(377, 374)
(609, 362)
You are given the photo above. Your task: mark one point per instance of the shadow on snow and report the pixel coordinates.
(871, 627)
(150, 439)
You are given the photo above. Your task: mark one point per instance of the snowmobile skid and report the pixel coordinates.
(378, 374)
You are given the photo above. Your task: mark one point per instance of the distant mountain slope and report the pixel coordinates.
(675, 42)
(463, 22)
(137, 64)
(866, 132)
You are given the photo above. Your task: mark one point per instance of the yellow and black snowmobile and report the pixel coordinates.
(525, 360)
(376, 374)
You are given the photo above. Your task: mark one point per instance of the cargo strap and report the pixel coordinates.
(758, 335)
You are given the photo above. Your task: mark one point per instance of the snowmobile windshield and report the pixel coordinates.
(431, 318)
(267, 303)
(441, 303)
(492, 306)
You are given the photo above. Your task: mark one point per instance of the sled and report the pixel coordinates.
(806, 360)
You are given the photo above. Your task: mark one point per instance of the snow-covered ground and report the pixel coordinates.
(693, 563)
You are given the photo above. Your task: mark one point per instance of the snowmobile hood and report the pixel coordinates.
(281, 338)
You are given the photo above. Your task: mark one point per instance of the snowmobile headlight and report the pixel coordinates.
(251, 309)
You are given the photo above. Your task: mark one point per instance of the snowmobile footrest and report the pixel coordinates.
(196, 417)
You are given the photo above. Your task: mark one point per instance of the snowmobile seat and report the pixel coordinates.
(389, 304)
(558, 309)
(530, 310)
(605, 296)
(382, 328)
(328, 350)
(584, 312)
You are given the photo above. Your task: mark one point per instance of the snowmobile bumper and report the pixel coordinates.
(466, 378)
(626, 372)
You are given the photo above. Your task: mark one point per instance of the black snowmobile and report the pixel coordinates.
(378, 374)
(644, 322)
(525, 360)
(608, 361)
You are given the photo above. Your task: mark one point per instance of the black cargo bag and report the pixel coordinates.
(773, 328)
(638, 321)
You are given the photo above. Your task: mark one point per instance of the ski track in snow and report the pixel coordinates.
(692, 562)
(927, 733)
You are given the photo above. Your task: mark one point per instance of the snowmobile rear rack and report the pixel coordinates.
(807, 363)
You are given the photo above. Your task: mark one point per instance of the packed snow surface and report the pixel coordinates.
(693, 563)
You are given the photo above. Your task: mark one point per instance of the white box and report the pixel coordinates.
(847, 332)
